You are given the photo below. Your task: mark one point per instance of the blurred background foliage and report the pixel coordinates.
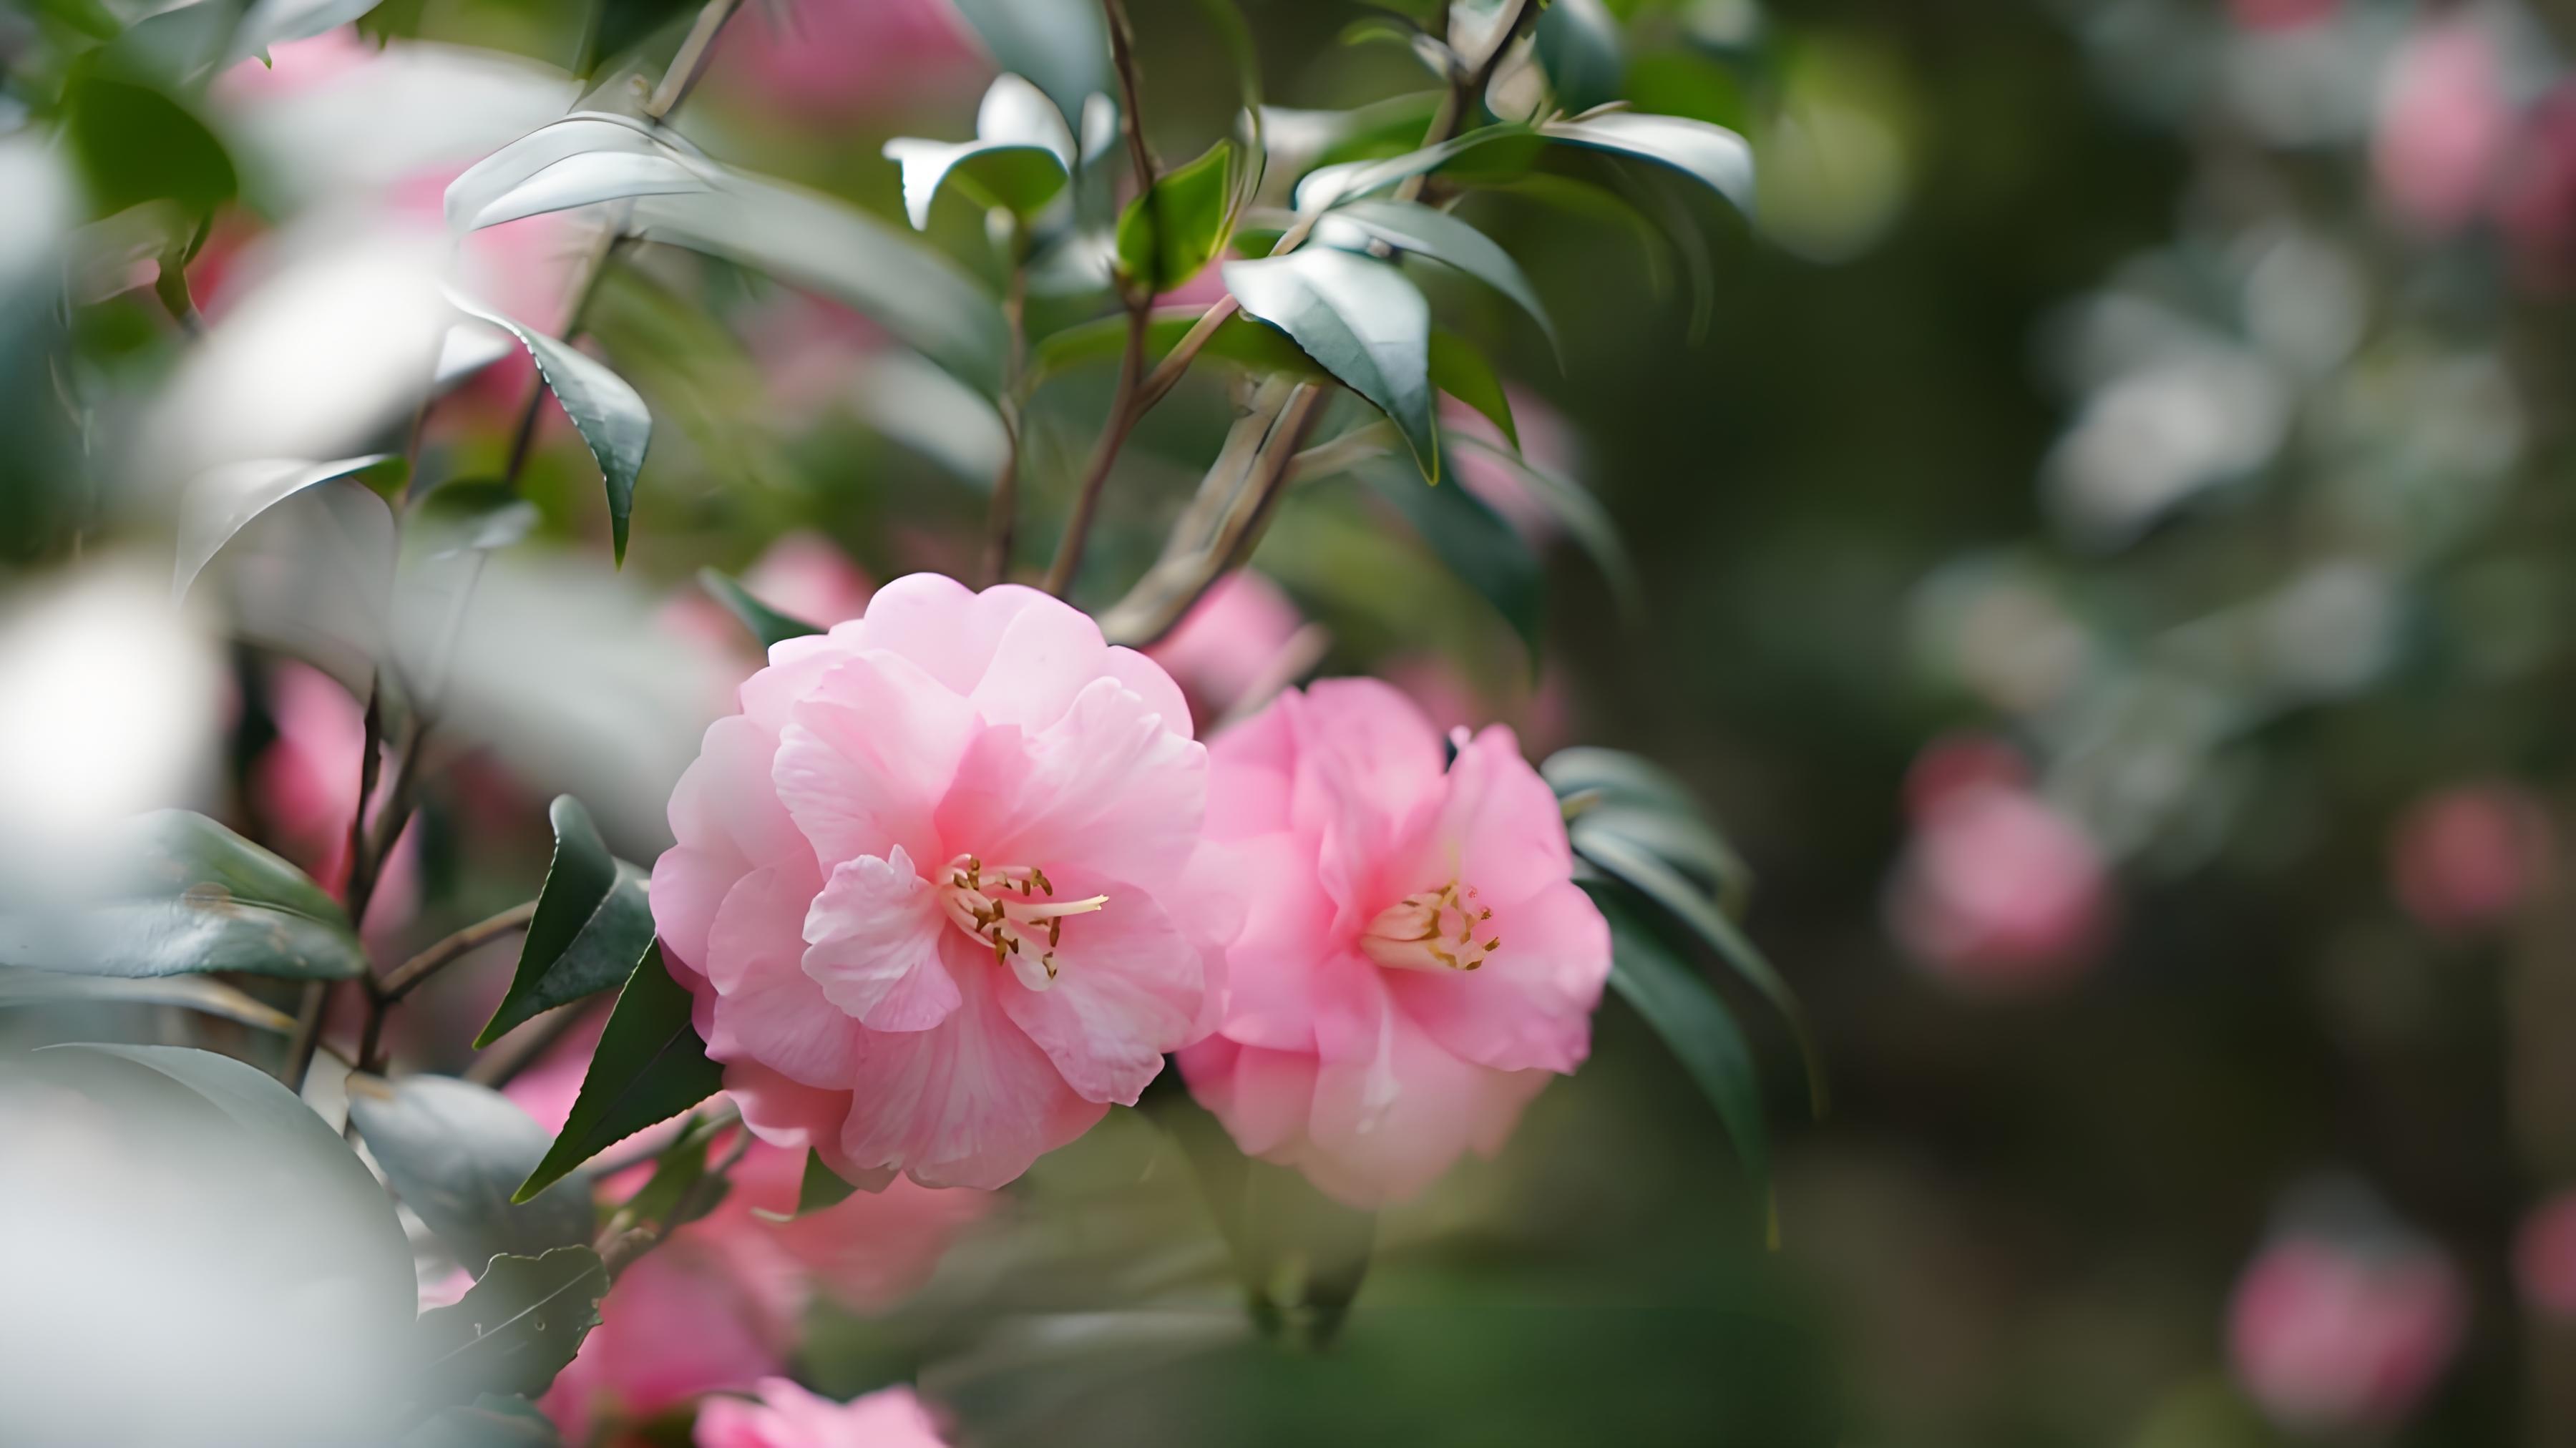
(2100, 538)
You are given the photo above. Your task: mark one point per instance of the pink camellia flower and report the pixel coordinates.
(2333, 1334)
(2465, 858)
(1241, 637)
(2544, 1256)
(939, 890)
(1998, 890)
(2443, 124)
(787, 1416)
(1417, 961)
(305, 786)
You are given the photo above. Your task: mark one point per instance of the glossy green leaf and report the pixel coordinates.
(135, 144)
(1579, 47)
(490, 1421)
(649, 1067)
(1244, 343)
(611, 418)
(1475, 543)
(224, 501)
(1674, 894)
(1462, 371)
(191, 897)
(767, 624)
(453, 1152)
(1168, 234)
(19, 987)
(514, 1329)
(1693, 1022)
(827, 246)
(1487, 155)
(1362, 320)
(1061, 45)
(1711, 155)
(587, 157)
(1020, 159)
(1583, 517)
(1412, 227)
(592, 925)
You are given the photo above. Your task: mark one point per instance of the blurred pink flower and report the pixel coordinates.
(2281, 14)
(2535, 201)
(939, 889)
(1539, 714)
(1547, 444)
(787, 1416)
(1957, 764)
(1417, 961)
(1236, 639)
(2465, 858)
(2329, 1334)
(684, 1319)
(1998, 890)
(304, 786)
(2443, 124)
(2544, 1256)
(825, 60)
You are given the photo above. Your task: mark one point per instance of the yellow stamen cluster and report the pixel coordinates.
(1001, 906)
(1433, 929)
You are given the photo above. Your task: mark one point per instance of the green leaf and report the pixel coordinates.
(479, 515)
(224, 501)
(584, 158)
(1580, 48)
(650, 1066)
(193, 897)
(135, 144)
(1711, 155)
(610, 417)
(1692, 1020)
(1020, 159)
(275, 22)
(1245, 343)
(453, 1152)
(487, 1422)
(1473, 542)
(592, 925)
(1580, 512)
(1461, 371)
(828, 246)
(822, 1187)
(767, 624)
(515, 1329)
(1061, 45)
(189, 992)
(1412, 227)
(1629, 795)
(1659, 883)
(624, 27)
(1363, 321)
(1166, 235)
(1487, 155)
(680, 1191)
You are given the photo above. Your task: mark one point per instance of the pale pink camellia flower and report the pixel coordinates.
(305, 786)
(788, 1416)
(2544, 1257)
(2329, 1334)
(1998, 890)
(939, 889)
(2444, 121)
(1240, 637)
(2465, 858)
(1417, 962)
(832, 60)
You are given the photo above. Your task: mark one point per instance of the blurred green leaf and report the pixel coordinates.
(1461, 371)
(1692, 1021)
(1711, 155)
(1412, 227)
(610, 417)
(586, 157)
(1580, 48)
(1020, 159)
(475, 515)
(453, 1152)
(1658, 882)
(135, 144)
(487, 1422)
(1580, 512)
(194, 897)
(649, 1067)
(680, 1190)
(767, 624)
(623, 26)
(1488, 155)
(275, 22)
(22, 987)
(224, 501)
(1362, 320)
(1062, 46)
(1475, 543)
(515, 1329)
(1168, 234)
(1246, 343)
(1633, 796)
(592, 925)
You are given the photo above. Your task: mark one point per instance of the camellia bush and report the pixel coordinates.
(852, 902)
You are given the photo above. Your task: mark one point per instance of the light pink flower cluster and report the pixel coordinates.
(1417, 962)
(787, 1416)
(940, 889)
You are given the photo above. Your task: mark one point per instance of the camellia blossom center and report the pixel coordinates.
(1443, 929)
(1012, 910)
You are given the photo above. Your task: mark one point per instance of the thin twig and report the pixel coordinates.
(691, 61)
(1123, 413)
(402, 979)
(1002, 523)
(1169, 589)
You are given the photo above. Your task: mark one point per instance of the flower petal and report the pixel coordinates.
(866, 758)
(767, 1009)
(1109, 785)
(1128, 987)
(1044, 657)
(872, 943)
(1529, 1006)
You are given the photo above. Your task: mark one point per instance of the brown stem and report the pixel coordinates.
(1001, 524)
(1122, 57)
(1123, 413)
(1168, 591)
(401, 980)
(691, 61)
